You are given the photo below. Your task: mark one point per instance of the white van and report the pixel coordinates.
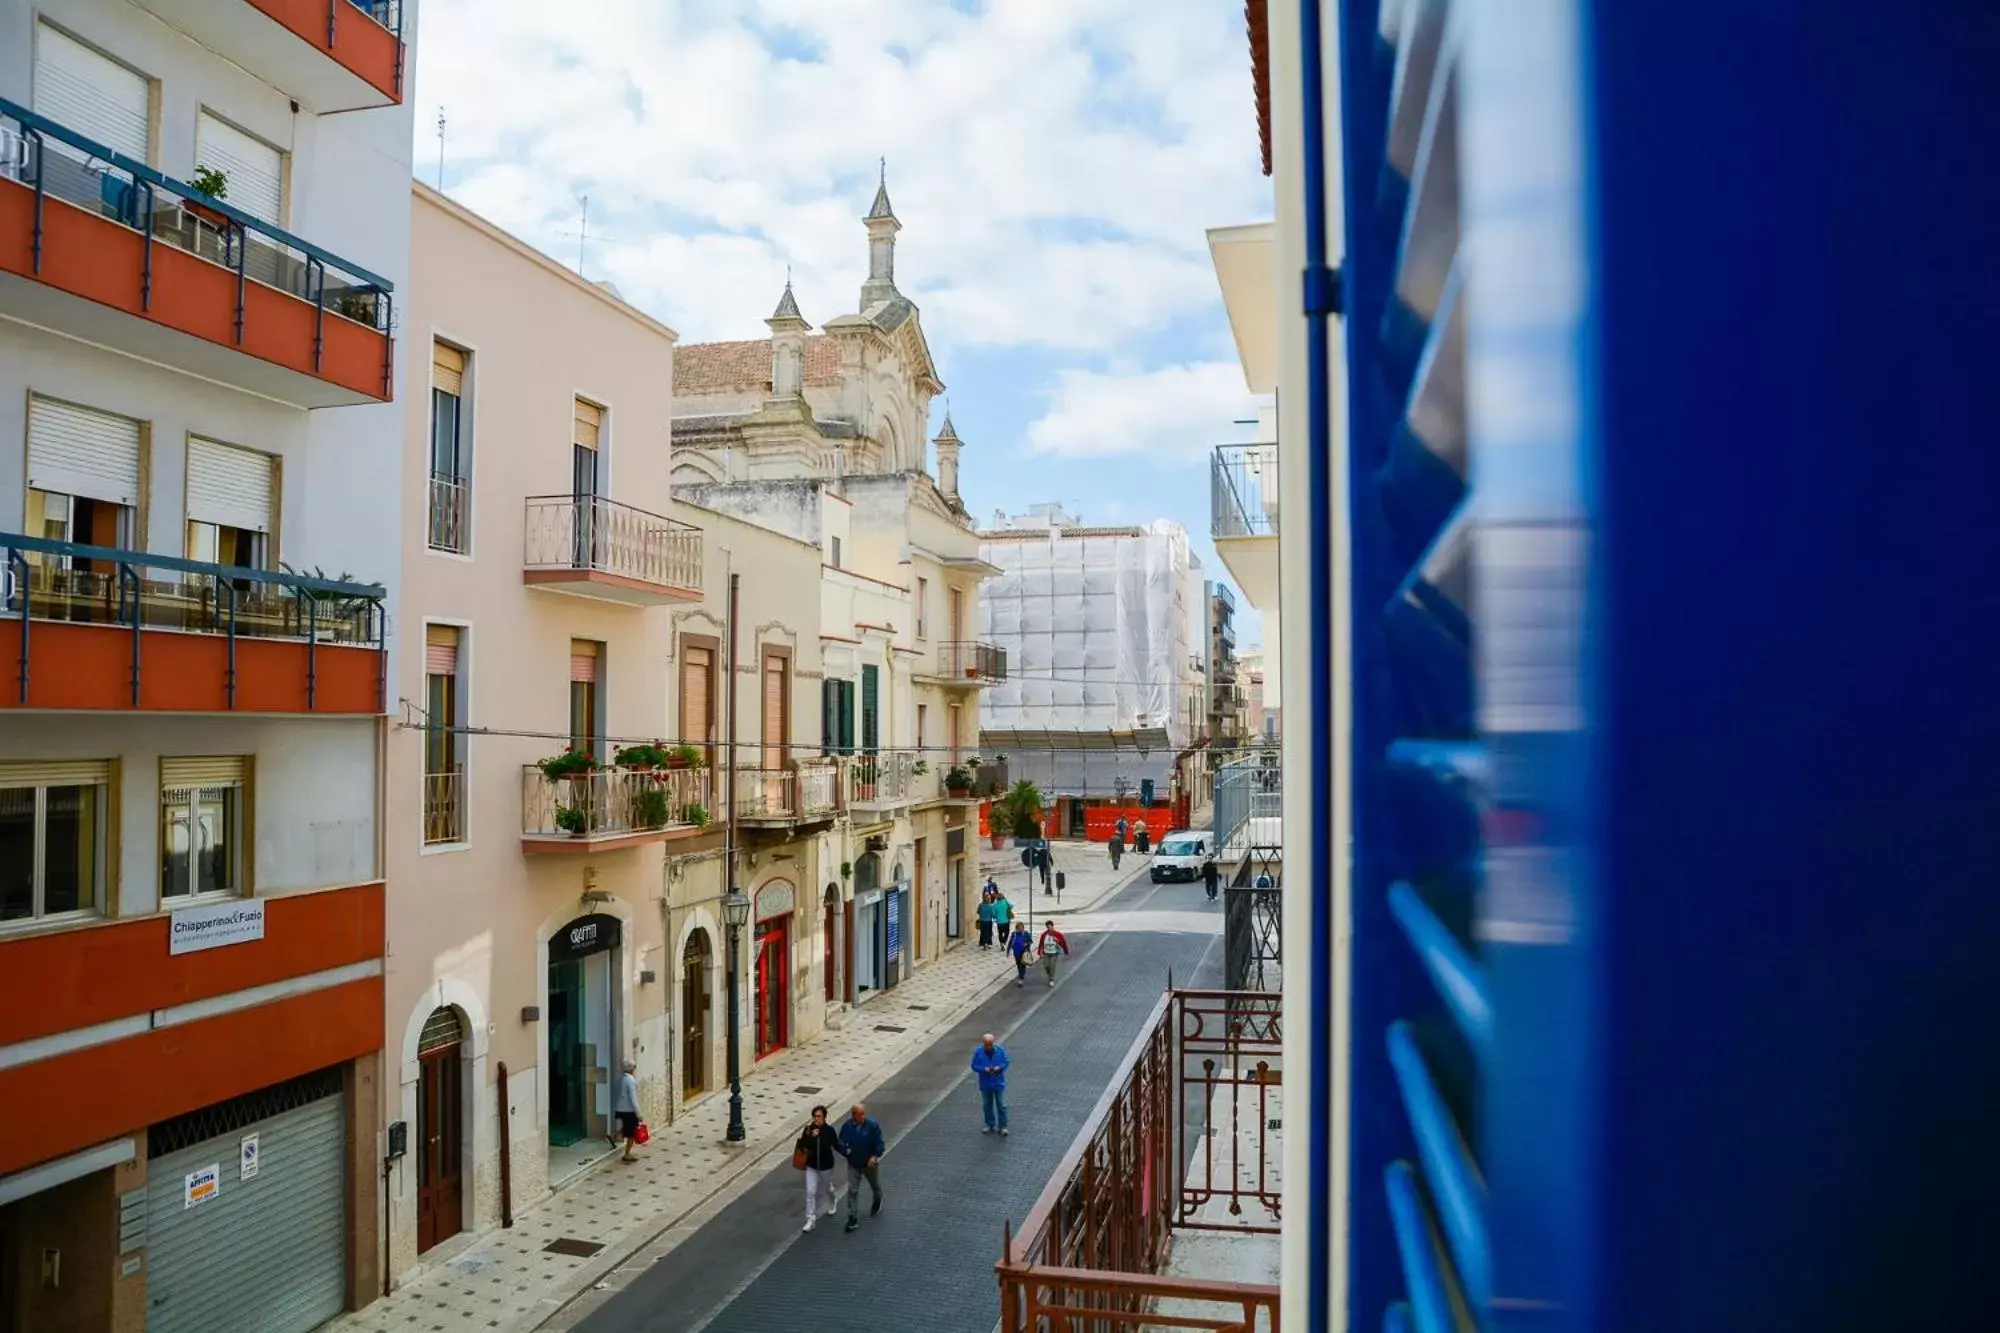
(1180, 855)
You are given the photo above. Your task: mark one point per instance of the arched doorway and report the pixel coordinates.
(440, 1127)
(583, 1025)
(829, 930)
(697, 963)
(771, 1002)
(865, 954)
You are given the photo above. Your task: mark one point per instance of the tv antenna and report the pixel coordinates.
(582, 232)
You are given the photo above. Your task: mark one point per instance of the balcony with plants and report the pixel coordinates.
(104, 249)
(98, 628)
(588, 546)
(574, 803)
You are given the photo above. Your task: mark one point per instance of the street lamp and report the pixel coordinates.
(735, 914)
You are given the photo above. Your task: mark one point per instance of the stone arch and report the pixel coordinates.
(445, 993)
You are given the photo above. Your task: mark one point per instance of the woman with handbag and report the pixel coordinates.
(816, 1152)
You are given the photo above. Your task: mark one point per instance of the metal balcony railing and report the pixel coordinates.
(589, 533)
(90, 176)
(1249, 804)
(388, 13)
(1179, 1142)
(613, 802)
(969, 659)
(882, 778)
(450, 512)
(444, 808)
(1243, 491)
(807, 789)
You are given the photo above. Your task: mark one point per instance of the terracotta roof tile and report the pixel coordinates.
(721, 367)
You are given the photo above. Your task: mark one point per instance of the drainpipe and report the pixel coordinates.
(1321, 302)
(506, 1148)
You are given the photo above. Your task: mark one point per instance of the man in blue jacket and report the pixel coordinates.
(861, 1143)
(989, 1061)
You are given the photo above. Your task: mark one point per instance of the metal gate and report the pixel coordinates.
(250, 1237)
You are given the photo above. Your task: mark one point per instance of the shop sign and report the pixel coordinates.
(246, 1165)
(214, 925)
(585, 935)
(202, 1185)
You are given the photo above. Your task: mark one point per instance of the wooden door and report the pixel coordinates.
(694, 1015)
(440, 1121)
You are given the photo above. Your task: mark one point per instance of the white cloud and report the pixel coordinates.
(1173, 415)
(1054, 162)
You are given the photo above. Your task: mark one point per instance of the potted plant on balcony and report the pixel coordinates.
(958, 781)
(568, 764)
(573, 820)
(685, 756)
(695, 813)
(643, 757)
(649, 807)
(921, 767)
(212, 185)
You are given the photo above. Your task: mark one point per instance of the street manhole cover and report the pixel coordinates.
(574, 1248)
(805, 1089)
(884, 1027)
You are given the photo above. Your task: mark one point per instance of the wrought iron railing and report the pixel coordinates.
(613, 802)
(591, 533)
(883, 778)
(969, 659)
(1089, 1254)
(444, 808)
(1249, 803)
(1243, 491)
(388, 13)
(90, 176)
(819, 787)
(450, 512)
(807, 789)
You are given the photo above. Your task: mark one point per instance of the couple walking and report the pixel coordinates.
(860, 1143)
(996, 914)
(1050, 946)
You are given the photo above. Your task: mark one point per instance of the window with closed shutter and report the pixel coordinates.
(255, 170)
(92, 94)
(229, 487)
(441, 650)
(75, 451)
(697, 692)
(586, 718)
(777, 711)
(448, 369)
(871, 733)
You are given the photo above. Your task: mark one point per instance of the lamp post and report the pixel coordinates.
(735, 913)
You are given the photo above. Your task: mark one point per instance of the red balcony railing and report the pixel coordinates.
(1090, 1254)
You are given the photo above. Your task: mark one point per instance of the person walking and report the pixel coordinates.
(1019, 945)
(986, 920)
(1117, 850)
(1044, 863)
(625, 1106)
(1210, 877)
(862, 1144)
(1139, 843)
(816, 1151)
(1051, 946)
(989, 1061)
(1003, 915)
(1122, 832)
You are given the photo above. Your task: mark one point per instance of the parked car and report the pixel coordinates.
(1180, 855)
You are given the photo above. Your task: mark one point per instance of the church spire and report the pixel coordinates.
(788, 346)
(948, 446)
(882, 228)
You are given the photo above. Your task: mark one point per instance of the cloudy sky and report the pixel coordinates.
(1055, 164)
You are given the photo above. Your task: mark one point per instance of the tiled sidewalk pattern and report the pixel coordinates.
(507, 1280)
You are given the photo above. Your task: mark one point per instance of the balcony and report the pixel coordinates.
(450, 522)
(877, 784)
(1169, 1194)
(109, 251)
(93, 628)
(967, 662)
(444, 808)
(610, 809)
(332, 55)
(1243, 518)
(807, 791)
(588, 546)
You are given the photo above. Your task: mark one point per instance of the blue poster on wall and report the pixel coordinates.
(895, 924)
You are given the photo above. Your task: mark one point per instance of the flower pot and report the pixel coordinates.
(958, 793)
(999, 841)
(678, 764)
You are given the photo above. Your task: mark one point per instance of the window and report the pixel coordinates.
(697, 710)
(444, 722)
(923, 731)
(586, 698)
(871, 736)
(451, 475)
(586, 474)
(83, 487)
(54, 819)
(777, 680)
(201, 826)
(836, 716)
(231, 504)
(923, 608)
(835, 552)
(952, 735)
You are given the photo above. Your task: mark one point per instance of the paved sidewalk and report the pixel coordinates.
(507, 1280)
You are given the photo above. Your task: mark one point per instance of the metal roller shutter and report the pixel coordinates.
(222, 770)
(697, 671)
(228, 486)
(441, 650)
(777, 738)
(447, 369)
(91, 94)
(74, 451)
(255, 169)
(583, 661)
(589, 421)
(262, 1255)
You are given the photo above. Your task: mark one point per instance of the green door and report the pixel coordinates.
(566, 1073)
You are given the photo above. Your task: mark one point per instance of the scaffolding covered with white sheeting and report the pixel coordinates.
(1101, 683)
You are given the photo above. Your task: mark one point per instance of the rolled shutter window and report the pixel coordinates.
(441, 650)
(448, 369)
(583, 658)
(589, 423)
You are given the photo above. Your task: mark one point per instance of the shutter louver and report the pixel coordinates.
(255, 169)
(228, 486)
(91, 94)
(224, 770)
(441, 650)
(448, 369)
(75, 451)
(589, 420)
(776, 740)
(583, 656)
(55, 772)
(696, 674)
